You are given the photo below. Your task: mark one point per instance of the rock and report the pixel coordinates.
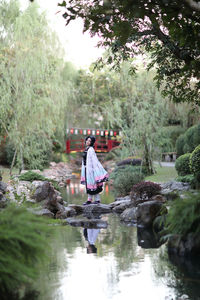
(175, 186)
(3, 187)
(158, 198)
(171, 189)
(3, 200)
(53, 205)
(42, 191)
(1, 196)
(77, 208)
(43, 212)
(122, 198)
(94, 223)
(65, 213)
(183, 297)
(60, 199)
(126, 202)
(147, 212)
(121, 207)
(129, 215)
(184, 245)
(97, 209)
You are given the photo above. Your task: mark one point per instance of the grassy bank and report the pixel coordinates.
(163, 174)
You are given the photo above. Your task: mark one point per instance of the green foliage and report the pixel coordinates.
(10, 150)
(184, 216)
(140, 128)
(23, 243)
(188, 141)
(180, 142)
(31, 176)
(169, 136)
(32, 91)
(195, 163)
(187, 178)
(129, 28)
(124, 178)
(182, 164)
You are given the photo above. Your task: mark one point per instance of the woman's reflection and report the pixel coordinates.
(91, 236)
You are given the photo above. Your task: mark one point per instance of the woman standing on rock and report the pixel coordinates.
(92, 172)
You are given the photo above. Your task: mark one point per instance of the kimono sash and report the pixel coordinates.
(93, 174)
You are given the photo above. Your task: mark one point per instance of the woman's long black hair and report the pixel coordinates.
(93, 139)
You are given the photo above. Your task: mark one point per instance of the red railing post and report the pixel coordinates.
(109, 145)
(68, 146)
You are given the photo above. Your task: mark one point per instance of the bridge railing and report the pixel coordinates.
(101, 145)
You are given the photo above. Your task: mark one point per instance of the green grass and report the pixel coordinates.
(163, 174)
(6, 173)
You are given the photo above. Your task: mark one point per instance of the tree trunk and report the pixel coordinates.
(13, 162)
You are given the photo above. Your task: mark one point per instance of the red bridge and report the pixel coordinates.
(105, 139)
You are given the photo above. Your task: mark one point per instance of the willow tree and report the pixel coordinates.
(140, 115)
(33, 94)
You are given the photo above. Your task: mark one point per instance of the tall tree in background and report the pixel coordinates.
(33, 95)
(140, 115)
(167, 30)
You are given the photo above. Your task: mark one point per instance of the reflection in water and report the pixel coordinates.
(91, 236)
(147, 238)
(120, 268)
(75, 188)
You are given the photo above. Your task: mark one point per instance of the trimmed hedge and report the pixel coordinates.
(182, 164)
(195, 163)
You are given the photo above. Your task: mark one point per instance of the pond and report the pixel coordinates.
(120, 268)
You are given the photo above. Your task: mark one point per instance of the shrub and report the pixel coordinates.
(124, 178)
(184, 216)
(182, 164)
(31, 176)
(145, 189)
(23, 242)
(180, 142)
(10, 150)
(187, 178)
(189, 140)
(130, 161)
(195, 163)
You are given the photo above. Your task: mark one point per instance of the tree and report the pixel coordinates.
(33, 95)
(140, 115)
(167, 30)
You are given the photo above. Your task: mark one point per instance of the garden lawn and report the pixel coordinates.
(163, 174)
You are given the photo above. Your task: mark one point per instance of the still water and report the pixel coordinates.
(120, 268)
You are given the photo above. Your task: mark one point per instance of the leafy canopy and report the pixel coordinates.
(167, 30)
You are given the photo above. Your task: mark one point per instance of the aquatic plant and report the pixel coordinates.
(184, 215)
